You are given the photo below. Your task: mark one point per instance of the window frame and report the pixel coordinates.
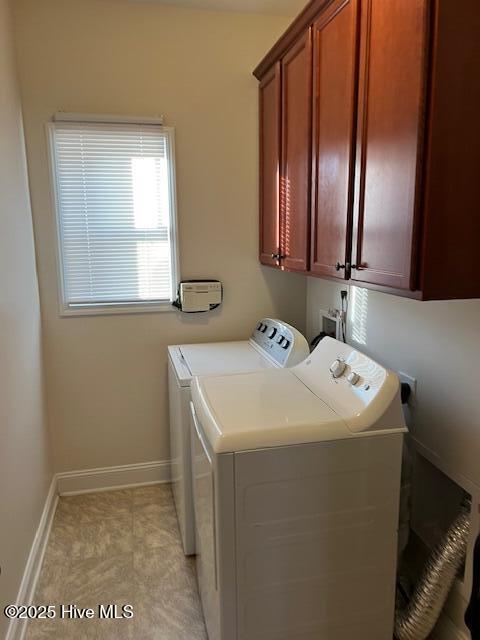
(114, 308)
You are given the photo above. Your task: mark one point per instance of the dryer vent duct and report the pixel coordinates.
(417, 620)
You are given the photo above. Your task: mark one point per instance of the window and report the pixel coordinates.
(115, 201)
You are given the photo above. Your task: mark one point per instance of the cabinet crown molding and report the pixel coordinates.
(294, 31)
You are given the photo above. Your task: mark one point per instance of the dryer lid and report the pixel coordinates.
(223, 357)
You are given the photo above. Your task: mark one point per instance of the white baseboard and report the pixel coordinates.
(17, 628)
(70, 483)
(108, 478)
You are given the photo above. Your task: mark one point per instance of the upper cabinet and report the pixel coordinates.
(285, 135)
(295, 165)
(270, 131)
(334, 117)
(377, 151)
(391, 101)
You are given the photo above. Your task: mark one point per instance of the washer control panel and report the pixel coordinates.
(339, 367)
(281, 342)
(344, 370)
(356, 387)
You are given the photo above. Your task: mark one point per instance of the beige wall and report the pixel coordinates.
(24, 467)
(107, 375)
(438, 343)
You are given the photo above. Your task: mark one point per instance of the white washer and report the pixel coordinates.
(273, 344)
(296, 490)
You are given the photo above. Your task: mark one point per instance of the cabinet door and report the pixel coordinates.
(334, 116)
(391, 99)
(296, 140)
(270, 102)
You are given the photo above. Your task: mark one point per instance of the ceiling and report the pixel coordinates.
(272, 7)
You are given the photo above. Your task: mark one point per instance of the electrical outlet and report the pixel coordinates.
(404, 377)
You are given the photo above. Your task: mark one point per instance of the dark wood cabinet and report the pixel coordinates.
(393, 191)
(295, 165)
(391, 98)
(449, 227)
(334, 117)
(270, 132)
(285, 138)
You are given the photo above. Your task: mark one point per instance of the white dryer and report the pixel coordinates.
(273, 344)
(296, 490)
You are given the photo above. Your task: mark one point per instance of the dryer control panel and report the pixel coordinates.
(281, 342)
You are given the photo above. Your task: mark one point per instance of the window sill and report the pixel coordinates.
(117, 310)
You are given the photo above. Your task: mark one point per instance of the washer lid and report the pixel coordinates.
(262, 409)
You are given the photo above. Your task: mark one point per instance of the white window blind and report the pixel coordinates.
(115, 199)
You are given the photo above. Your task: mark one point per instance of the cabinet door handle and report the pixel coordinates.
(359, 267)
(278, 256)
(339, 266)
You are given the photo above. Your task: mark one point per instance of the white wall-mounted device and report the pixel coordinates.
(331, 323)
(199, 295)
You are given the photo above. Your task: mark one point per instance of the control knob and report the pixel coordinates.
(337, 368)
(353, 378)
(272, 333)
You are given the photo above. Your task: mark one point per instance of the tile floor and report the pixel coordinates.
(119, 547)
